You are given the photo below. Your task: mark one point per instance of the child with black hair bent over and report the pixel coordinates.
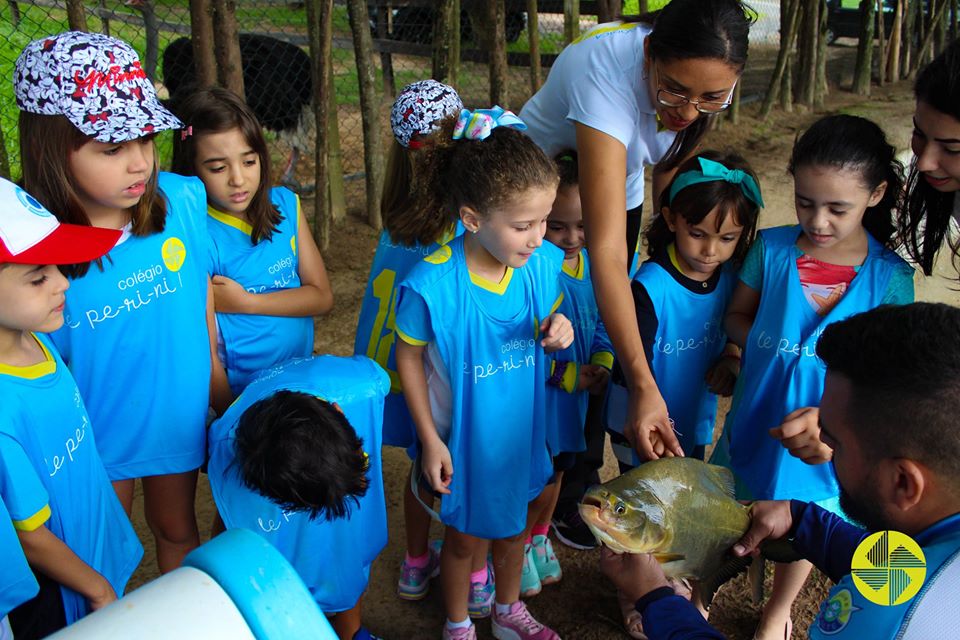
(474, 321)
(296, 459)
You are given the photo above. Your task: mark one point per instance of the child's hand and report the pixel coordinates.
(102, 596)
(800, 435)
(437, 465)
(557, 333)
(229, 296)
(722, 376)
(593, 378)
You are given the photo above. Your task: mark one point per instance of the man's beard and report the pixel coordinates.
(865, 510)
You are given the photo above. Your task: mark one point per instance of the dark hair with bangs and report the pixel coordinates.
(924, 219)
(300, 452)
(689, 29)
(46, 142)
(215, 110)
(693, 203)
(856, 144)
(482, 174)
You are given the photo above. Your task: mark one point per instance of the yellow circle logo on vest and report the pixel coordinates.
(174, 253)
(888, 568)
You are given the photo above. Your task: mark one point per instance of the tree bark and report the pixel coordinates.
(453, 73)
(442, 39)
(386, 58)
(201, 36)
(907, 43)
(928, 38)
(810, 27)
(496, 37)
(789, 13)
(320, 34)
(863, 71)
(820, 88)
(571, 20)
(533, 35)
(152, 28)
(370, 104)
(76, 17)
(230, 66)
(338, 202)
(882, 49)
(607, 10)
(896, 35)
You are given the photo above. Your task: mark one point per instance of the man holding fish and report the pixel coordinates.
(888, 422)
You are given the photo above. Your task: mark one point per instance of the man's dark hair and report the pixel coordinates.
(904, 366)
(300, 452)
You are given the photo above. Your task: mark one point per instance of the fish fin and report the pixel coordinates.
(724, 479)
(668, 557)
(755, 574)
(708, 586)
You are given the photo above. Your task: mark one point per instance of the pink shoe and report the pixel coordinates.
(520, 625)
(465, 633)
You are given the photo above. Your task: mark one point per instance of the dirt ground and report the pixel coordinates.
(582, 605)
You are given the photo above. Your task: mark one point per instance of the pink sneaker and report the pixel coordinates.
(466, 633)
(520, 625)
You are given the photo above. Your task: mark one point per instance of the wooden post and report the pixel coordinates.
(338, 202)
(76, 17)
(497, 34)
(386, 58)
(320, 35)
(571, 20)
(201, 36)
(533, 36)
(152, 29)
(229, 64)
(442, 39)
(863, 71)
(369, 108)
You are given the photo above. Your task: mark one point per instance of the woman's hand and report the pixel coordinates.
(648, 427)
(557, 332)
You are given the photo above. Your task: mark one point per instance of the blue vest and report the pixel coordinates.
(332, 556)
(689, 339)
(17, 584)
(51, 474)
(255, 342)
(375, 337)
(780, 371)
(567, 412)
(847, 614)
(497, 375)
(135, 337)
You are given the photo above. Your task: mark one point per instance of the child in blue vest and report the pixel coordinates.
(296, 459)
(795, 281)
(708, 218)
(137, 331)
(576, 372)
(474, 320)
(410, 234)
(53, 486)
(269, 280)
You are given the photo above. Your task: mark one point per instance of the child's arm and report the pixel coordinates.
(741, 313)
(722, 376)
(313, 297)
(436, 463)
(601, 359)
(220, 394)
(800, 435)
(50, 556)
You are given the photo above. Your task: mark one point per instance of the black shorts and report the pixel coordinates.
(42, 615)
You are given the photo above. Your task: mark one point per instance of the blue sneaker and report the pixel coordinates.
(480, 602)
(545, 560)
(415, 581)
(529, 578)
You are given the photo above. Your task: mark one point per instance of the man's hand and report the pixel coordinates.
(633, 574)
(769, 520)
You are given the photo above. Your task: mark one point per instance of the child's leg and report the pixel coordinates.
(541, 521)
(124, 491)
(508, 554)
(455, 563)
(168, 504)
(788, 580)
(347, 623)
(417, 521)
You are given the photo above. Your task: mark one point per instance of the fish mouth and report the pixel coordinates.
(590, 510)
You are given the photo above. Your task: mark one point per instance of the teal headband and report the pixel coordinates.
(711, 171)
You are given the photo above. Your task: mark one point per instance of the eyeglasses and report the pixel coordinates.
(675, 100)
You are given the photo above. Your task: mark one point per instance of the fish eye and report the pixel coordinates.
(620, 508)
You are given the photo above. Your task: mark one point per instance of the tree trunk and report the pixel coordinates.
(788, 30)
(442, 19)
(14, 12)
(571, 20)
(338, 202)
(907, 41)
(201, 36)
(453, 73)
(152, 28)
(940, 30)
(928, 38)
(607, 10)
(863, 71)
(4, 158)
(786, 88)
(386, 58)
(496, 36)
(810, 27)
(320, 34)
(896, 35)
(76, 18)
(533, 34)
(369, 108)
(882, 49)
(230, 66)
(820, 88)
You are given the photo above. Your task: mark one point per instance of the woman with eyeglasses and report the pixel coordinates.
(626, 95)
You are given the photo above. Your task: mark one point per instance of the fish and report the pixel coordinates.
(683, 512)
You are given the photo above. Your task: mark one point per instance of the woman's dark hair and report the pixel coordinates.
(45, 146)
(924, 218)
(688, 29)
(300, 452)
(215, 110)
(482, 174)
(856, 144)
(695, 202)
